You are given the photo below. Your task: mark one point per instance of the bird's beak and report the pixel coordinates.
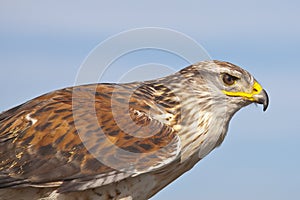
(262, 98)
(257, 95)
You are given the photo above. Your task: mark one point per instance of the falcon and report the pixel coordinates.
(120, 141)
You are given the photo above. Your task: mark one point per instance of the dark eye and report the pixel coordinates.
(228, 79)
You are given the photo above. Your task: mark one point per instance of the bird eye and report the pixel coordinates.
(228, 79)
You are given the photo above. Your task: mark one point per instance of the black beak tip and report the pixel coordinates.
(265, 101)
(265, 108)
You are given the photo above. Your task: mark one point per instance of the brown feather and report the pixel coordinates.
(51, 149)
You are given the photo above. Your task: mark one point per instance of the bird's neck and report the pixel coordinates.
(206, 117)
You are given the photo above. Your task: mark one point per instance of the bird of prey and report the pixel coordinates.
(120, 141)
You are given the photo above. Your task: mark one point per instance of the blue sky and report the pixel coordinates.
(43, 43)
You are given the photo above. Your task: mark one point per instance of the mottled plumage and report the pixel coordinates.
(120, 141)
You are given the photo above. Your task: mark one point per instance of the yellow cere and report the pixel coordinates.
(256, 90)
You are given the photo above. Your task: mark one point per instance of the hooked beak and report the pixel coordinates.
(262, 98)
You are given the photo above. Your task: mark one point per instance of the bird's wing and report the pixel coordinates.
(82, 137)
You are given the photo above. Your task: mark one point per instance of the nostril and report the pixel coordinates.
(255, 90)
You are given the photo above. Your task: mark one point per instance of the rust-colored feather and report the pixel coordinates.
(60, 138)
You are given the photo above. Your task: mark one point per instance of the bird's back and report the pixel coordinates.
(85, 137)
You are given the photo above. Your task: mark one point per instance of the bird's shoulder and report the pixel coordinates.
(83, 137)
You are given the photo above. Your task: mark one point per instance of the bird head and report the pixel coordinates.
(230, 83)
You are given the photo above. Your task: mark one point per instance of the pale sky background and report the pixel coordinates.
(43, 43)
